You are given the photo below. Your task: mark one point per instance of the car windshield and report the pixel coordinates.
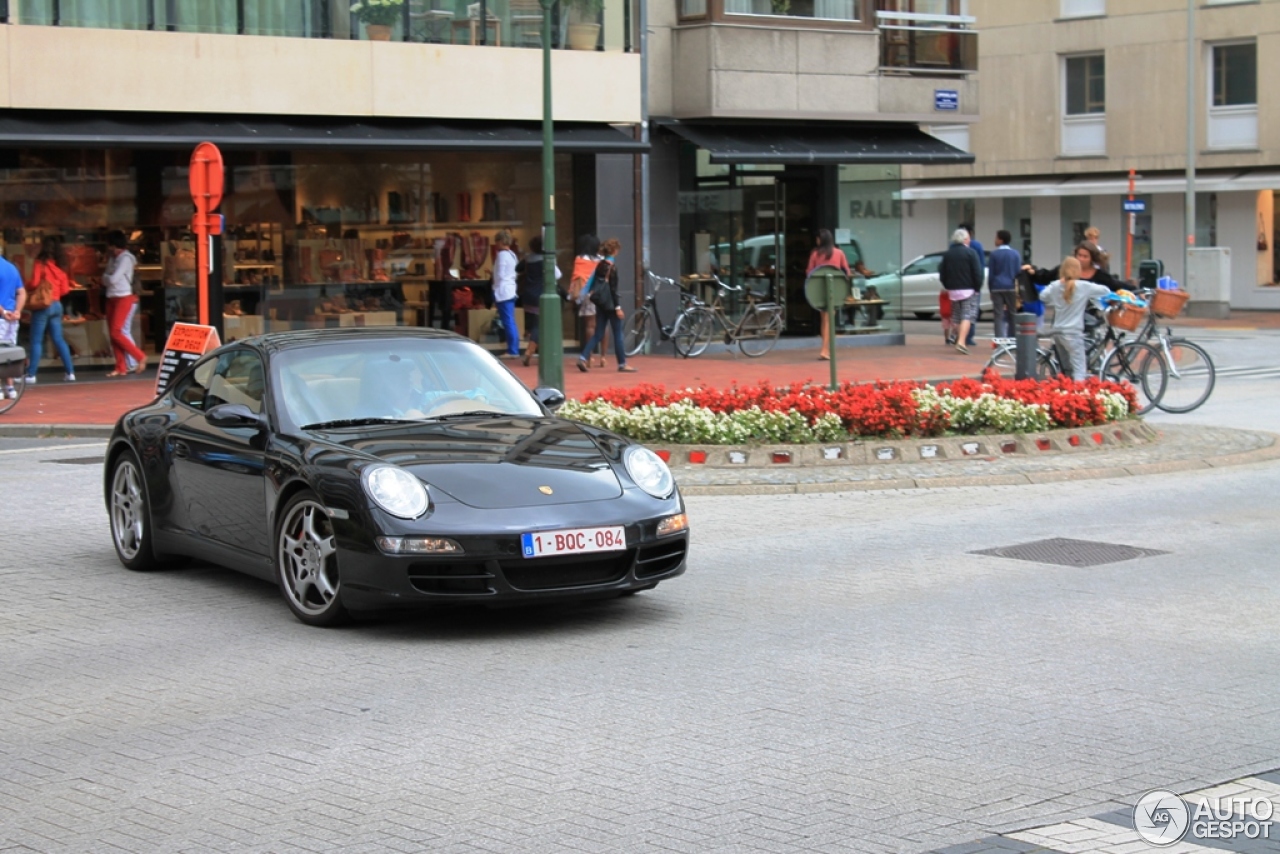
(389, 380)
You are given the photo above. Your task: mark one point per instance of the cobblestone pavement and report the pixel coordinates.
(835, 673)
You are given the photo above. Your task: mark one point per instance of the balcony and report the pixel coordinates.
(927, 45)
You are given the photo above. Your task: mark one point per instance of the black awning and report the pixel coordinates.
(183, 130)
(825, 143)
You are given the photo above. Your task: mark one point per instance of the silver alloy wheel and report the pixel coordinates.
(128, 509)
(308, 568)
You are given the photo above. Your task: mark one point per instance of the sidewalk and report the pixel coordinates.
(95, 401)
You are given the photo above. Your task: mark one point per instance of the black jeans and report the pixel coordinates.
(1004, 304)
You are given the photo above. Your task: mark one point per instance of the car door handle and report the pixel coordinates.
(181, 450)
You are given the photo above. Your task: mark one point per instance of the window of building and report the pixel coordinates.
(1073, 214)
(830, 10)
(1083, 8)
(1084, 105)
(1233, 100)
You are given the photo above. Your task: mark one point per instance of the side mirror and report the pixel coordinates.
(551, 398)
(235, 415)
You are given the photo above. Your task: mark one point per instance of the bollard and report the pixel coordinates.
(1025, 323)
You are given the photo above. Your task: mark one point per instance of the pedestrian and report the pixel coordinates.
(119, 282)
(1003, 265)
(1069, 296)
(504, 292)
(580, 283)
(13, 297)
(530, 280)
(1094, 236)
(49, 267)
(826, 254)
(1091, 269)
(604, 293)
(977, 247)
(961, 274)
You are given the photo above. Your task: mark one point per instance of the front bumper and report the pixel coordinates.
(491, 569)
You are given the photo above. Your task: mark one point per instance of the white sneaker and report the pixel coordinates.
(31, 380)
(69, 378)
(11, 393)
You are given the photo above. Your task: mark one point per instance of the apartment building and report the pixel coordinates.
(772, 119)
(1078, 92)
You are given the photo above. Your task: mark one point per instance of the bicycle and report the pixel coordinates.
(755, 332)
(13, 369)
(645, 324)
(1192, 374)
(1109, 357)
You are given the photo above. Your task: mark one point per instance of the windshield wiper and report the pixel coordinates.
(357, 422)
(470, 413)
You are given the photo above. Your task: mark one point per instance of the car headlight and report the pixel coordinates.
(649, 471)
(396, 491)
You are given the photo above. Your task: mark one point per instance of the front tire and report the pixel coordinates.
(635, 333)
(761, 329)
(1191, 377)
(307, 562)
(131, 515)
(692, 333)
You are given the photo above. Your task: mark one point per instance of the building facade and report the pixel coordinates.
(1077, 93)
(772, 119)
(368, 167)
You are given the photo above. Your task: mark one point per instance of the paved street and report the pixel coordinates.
(834, 673)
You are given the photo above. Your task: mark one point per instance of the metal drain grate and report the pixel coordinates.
(1065, 552)
(77, 461)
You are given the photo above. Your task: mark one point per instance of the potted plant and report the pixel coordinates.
(583, 23)
(378, 17)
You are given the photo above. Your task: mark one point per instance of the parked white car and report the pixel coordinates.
(919, 284)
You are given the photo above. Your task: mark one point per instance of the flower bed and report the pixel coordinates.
(803, 413)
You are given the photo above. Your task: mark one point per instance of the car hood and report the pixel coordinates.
(496, 463)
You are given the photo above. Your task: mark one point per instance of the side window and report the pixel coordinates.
(192, 388)
(238, 378)
(927, 264)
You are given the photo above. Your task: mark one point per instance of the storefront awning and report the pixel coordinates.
(181, 130)
(1095, 185)
(826, 143)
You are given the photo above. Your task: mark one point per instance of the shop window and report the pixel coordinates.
(1084, 105)
(1233, 87)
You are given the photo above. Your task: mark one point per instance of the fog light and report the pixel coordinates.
(418, 545)
(673, 524)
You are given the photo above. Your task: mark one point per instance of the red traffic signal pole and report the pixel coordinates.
(206, 180)
(1128, 242)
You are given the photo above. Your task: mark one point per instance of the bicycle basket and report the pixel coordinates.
(1126, 317)
(1169, 303)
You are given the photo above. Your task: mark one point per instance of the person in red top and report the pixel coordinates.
(825, 254)
(49, 266)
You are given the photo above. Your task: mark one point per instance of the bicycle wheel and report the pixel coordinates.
(8, 402)
(1004, 361)
(1140, 365)
(1191, 376)
(759, 331)
(692, 332)
(635, 332)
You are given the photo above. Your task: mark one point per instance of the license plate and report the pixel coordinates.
(573, 541)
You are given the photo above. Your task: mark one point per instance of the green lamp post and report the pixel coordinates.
(550, 333)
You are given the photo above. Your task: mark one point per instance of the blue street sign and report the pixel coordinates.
(1135, 206)
(946, 99)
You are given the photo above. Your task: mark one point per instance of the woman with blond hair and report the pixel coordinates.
(1069, 296)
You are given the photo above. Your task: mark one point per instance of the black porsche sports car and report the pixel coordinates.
(362, 469)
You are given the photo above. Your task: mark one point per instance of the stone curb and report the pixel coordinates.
(40, 431)
(882, 452)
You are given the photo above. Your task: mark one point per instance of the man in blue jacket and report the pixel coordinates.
(1003, 265)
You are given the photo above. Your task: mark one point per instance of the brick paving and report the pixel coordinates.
(835, 673)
